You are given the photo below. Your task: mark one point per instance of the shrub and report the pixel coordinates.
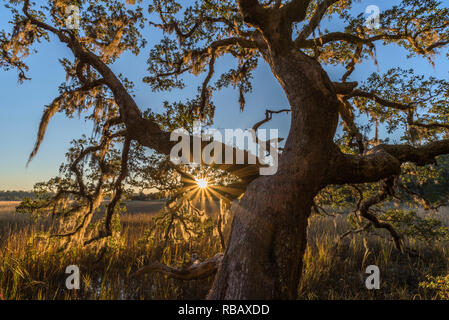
(438, 284)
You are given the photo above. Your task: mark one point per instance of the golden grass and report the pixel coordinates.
(8, 207)
(336, 270)
(30, 269)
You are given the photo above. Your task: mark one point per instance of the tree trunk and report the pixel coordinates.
(264, 255)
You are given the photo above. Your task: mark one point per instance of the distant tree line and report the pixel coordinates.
(16, 195)
(147, 196)
(10, 195)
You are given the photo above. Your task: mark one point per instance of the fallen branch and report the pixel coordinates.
(198, 270)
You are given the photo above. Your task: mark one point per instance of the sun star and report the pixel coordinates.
(202, 183)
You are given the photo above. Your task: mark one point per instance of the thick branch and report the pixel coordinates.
(253, 12)
(296, 10)
(344, 87)
(384, 161)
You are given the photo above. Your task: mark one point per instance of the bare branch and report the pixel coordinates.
(268, 117)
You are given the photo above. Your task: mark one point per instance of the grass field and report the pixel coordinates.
(30, 269)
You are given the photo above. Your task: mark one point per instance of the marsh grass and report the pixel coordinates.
(336, 269)
(32, 269)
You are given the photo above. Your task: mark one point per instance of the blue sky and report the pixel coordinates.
(21, 106)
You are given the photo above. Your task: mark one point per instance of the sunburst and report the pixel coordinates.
(208, 184)
(202, 183)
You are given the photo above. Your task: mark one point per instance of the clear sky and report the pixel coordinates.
(21, 106)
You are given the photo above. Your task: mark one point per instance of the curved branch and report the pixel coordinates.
(205, 94)
(380, 100)
(196, 271)
(118, 185)
(364, 210)
(316, 19)
(268, 117)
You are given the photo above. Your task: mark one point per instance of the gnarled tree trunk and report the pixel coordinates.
(268, 238)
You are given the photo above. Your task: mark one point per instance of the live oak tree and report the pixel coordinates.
(263, 257)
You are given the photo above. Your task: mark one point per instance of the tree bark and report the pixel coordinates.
(264, 255)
